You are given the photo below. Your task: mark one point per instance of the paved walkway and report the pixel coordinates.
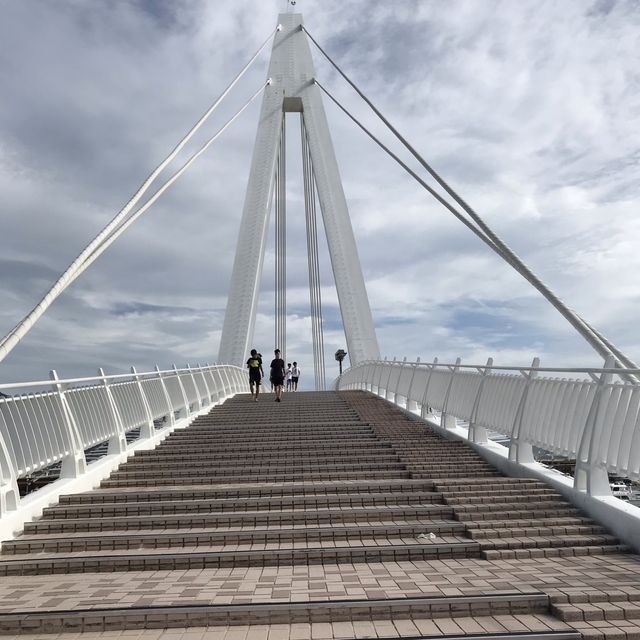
(325, 516)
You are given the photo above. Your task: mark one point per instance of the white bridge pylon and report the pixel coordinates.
(292, 90)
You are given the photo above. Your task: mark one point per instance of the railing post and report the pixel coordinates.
(206, 384)
(118, 441)
(519, 450)
(185, 399)
(9, 493)
(74, 464)
(588, 476)
(387, 392)
(195, 385)
(369, 365)
(226, 381)
(425, 409)
(219, 383)
(479, 434)
(412, 405)
(447, 421)
(146, 430)
(395, 392)
(380, 365)
(167, 397)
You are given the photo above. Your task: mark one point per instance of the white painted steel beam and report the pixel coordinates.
(292, 89)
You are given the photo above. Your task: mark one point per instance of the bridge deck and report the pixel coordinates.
(325, 516)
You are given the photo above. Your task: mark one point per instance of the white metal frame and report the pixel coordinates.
(39, 427)
(593, 416)
(292, 88)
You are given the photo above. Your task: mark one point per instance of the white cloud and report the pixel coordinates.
(530, 109)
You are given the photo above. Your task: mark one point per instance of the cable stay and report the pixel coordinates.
(481, 229)
(120, 222)
(315, 298)
(280, 205)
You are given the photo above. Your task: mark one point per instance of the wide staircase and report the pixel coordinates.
(328, 515)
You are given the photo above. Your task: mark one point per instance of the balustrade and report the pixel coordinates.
(592, 415)
(40, 427)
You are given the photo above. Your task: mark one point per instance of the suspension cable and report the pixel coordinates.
(600, 344)
(281, 243)
(315, 296)
(12, 338)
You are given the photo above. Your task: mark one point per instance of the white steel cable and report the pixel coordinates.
(315, 297)
(22, 328)
(280, 244)
(12, 339)
(600, 344)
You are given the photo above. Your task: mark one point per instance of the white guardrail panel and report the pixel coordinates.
(39, 428)
(593, 415)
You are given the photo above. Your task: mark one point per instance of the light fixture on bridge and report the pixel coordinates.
(340, 354)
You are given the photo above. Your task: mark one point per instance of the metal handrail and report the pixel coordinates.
(58, 419)
(594, 418)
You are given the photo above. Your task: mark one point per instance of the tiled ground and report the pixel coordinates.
(580, 579)
(523, 537)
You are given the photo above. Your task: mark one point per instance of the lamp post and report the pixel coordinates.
(340, 354)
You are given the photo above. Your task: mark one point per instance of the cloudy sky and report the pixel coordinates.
(531, 109)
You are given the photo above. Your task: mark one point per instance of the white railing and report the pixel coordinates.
(592, 415)
(45, 422)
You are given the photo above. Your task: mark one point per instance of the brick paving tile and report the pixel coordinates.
(321, 630)
(326, 471)
(385, 629)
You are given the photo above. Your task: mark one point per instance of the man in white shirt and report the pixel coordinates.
(295, 375)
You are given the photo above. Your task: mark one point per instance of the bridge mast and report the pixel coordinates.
(292, 90)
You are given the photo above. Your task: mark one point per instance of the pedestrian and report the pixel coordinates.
(254, 364)
(295, 376)
(277, 374)
(287, 377)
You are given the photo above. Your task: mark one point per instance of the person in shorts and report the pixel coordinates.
(277, 374)
(295, 376)
(287, 377)
(254, 364)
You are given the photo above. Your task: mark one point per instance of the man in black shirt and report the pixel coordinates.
(277, 374)
(254, 364)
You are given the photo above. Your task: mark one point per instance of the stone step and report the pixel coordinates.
(169, 560)
(278, 422)
(215, 471)
(185, 537)
(561, 510)
(532, 542)
(596, 611)
(551, 522)
(268, 503)
(246, 518)
(256, 439)
(200, 492)
(493, 499)
(501, 491)
(455, 473)
(263, 477)
(169, 447)
(361, 431)
(555, 552)
(113, 618)
(498, 506)
(168, 464)
(530, 532)
(303, 454)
